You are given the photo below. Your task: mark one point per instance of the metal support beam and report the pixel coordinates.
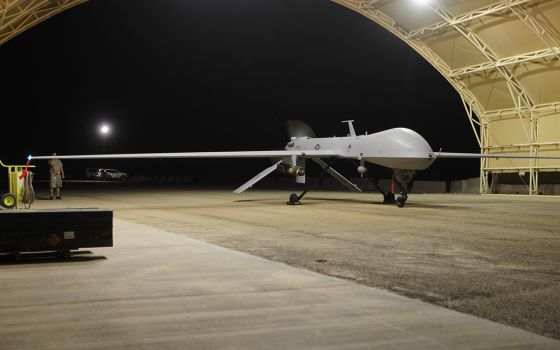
(534, 151)
(510, 113)
(551, 52)
(505, 5)
(484, 184)
(469, 110)
(16, 16)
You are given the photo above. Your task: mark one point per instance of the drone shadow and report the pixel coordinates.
(380, 203)
(350, 200)
(255, 200)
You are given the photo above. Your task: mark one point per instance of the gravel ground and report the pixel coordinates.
(496, 257)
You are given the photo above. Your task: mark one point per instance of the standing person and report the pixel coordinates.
(57, 174)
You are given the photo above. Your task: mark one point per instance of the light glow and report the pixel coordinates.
(104, 129)
(421, 2)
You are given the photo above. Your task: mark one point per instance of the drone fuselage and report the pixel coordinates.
(397, 148)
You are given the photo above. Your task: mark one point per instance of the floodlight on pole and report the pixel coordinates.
(104, 129)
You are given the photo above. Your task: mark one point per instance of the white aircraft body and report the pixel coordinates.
(400, 149)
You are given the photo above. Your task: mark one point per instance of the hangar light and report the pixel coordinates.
(421, 2)
(104, 129)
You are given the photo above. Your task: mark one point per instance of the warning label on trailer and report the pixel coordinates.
(54, 240)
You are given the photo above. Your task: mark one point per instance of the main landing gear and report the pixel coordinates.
(294, 199)
(401, 200)
(389, 197)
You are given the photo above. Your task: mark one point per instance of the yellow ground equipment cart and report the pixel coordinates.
(21, 193)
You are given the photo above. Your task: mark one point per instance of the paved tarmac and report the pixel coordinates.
(160, 290)
(495, 257)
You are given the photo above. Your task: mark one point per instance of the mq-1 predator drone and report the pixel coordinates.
(400, 149)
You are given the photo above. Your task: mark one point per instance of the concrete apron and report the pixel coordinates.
(157, 290)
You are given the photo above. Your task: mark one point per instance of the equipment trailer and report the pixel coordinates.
(58, 230)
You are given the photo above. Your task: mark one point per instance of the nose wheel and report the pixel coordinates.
(293, 199)
(401, 200)
(389, 198)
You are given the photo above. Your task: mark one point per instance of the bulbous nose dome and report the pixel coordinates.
(407, 141)
(401, 148)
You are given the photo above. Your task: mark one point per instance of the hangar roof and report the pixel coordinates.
(502, 56)
(17, 16)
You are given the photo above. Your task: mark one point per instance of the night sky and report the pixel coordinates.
(216, 75)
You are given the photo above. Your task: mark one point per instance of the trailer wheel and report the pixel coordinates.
(8, 201)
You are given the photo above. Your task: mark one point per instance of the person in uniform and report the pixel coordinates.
(57, 174)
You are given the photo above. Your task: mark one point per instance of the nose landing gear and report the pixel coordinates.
(401, 200)
(389, 197)
(293, 200)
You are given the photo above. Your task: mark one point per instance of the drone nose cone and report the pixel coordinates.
(400, 148)
(410, 141)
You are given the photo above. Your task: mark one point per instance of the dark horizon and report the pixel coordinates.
(214, 76)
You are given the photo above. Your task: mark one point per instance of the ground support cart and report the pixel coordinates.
(13, 199)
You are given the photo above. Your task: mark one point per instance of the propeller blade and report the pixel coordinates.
(297, 128)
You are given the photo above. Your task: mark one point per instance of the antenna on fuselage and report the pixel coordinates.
(351, 127)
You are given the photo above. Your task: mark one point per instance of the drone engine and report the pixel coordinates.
(290, 169)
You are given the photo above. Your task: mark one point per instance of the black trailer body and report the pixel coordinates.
(55, 229)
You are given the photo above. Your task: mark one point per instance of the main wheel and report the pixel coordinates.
(293, 199)
(389, 197)
(401, 201)
(8, 201)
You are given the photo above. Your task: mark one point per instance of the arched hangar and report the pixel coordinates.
(502, 57)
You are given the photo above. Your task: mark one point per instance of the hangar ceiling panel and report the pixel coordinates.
(491, 90)
(550, 128)
(454, 49)
(507, 35)
(541, 80)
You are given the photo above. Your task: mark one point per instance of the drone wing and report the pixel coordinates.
(486, 155)
(239, 154)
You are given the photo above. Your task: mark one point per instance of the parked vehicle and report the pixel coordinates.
(91, 173)
(111, 174)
